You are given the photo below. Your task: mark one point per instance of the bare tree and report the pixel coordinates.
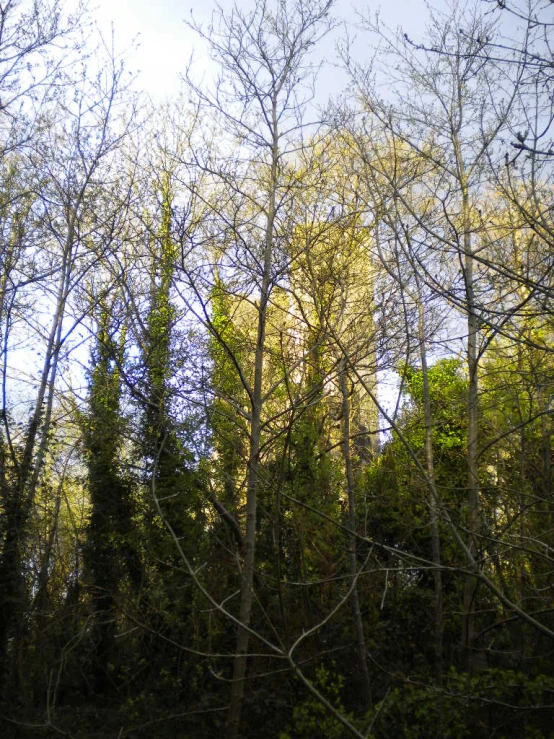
(259, 101)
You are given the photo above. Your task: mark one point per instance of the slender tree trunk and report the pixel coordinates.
(26, 475)
(247, 593)
(435, 532)
(471, 583)
(364, 680)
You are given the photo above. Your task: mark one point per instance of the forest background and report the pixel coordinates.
(215, 515)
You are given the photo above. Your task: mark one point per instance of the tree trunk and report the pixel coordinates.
(364, 680)
(470, 588)
(247, 593)
(435, 532)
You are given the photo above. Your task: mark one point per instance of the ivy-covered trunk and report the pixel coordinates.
(107, 548)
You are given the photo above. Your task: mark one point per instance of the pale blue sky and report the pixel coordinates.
(166, 43)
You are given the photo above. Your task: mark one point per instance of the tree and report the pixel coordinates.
(52, 250)
(452, 129)
(37, 45)
(265, 58)
(108, 550)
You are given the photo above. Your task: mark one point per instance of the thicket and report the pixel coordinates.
(276, 382)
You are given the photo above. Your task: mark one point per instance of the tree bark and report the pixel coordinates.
(433, 507)
(364, 679)
(247, 585)
(471, 583)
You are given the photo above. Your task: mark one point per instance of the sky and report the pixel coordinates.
(166, 43)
